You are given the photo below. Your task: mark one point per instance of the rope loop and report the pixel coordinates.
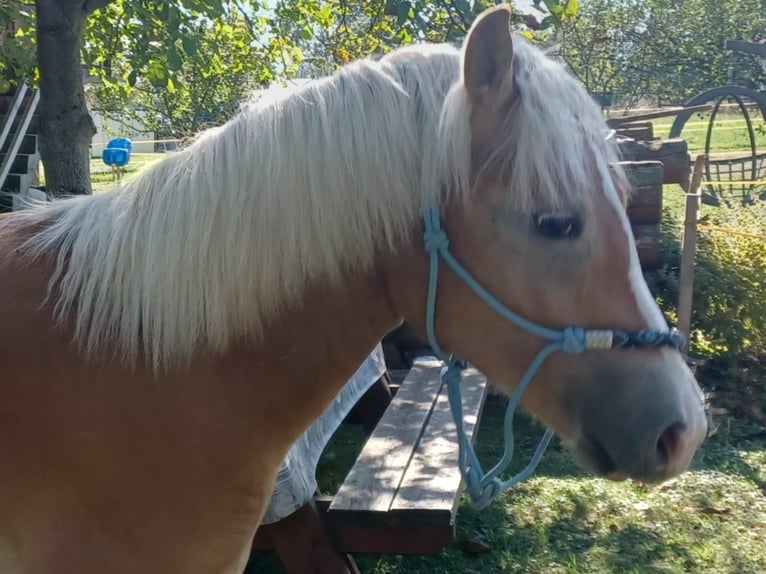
(573, 340)
(435, 240)
(481, 494)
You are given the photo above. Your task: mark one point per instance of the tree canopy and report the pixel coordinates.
(659, 50)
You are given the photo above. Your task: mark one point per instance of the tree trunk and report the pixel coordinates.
(66, 128)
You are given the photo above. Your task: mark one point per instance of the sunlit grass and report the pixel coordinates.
(712, 519)
(729, 132)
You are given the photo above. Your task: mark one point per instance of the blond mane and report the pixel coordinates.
(303, 184)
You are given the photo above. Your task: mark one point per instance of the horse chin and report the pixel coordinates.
(593, 457)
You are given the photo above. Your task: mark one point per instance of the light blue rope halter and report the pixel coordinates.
(482, 486)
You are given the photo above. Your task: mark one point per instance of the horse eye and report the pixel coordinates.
(557, 226)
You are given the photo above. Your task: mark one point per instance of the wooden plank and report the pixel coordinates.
(371, 484)
(433, 480)
(647, 237)
(371, 406)
(364, 539)
(637, 130)
(617, 121)
(352, 538)
(673, 153)
(28, 144)
(689, 242)
(645, 202)
(303, 544)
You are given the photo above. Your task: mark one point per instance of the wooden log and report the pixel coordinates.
(636, 130)
(689, 245)
(647, 238)
(645, 202)
(673, 153)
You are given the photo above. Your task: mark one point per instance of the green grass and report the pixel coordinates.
(101, 175)
(729, 133)
(712, 519)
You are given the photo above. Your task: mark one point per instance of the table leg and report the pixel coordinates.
(304, 545)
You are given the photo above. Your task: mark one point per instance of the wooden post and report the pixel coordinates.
(689, 243)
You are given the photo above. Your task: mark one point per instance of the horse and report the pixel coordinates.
(164, 343)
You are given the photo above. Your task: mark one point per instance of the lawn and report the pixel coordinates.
(729, 133)
(101, 174)
(712, 519)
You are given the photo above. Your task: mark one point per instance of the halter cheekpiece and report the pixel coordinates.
(483, 486)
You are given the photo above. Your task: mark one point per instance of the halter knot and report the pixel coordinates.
(574, 340)
(452, 375)
(435, 240)
(481, 495)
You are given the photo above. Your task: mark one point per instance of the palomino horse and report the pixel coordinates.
(163, 344)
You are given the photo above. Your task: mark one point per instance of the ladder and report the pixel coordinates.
(18, 110)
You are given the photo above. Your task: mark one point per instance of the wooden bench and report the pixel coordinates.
(402, 493)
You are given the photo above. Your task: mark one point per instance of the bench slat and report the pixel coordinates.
(372, 483)
(433, 477)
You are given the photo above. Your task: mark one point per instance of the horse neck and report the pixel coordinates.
(308, 354)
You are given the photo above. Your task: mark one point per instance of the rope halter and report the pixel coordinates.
(482, 486)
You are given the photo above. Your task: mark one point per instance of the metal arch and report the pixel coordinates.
(750, 132)
(723, 91)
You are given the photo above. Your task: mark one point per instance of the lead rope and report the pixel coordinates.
(483, 487)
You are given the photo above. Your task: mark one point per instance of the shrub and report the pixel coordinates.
(729, 303)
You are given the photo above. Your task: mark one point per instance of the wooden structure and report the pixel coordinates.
(689, 246)
(650, 163)
(645, 208)
(402, 494)
(19, 156)
(673, 154)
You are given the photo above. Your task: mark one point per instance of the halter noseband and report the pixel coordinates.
(482, 486)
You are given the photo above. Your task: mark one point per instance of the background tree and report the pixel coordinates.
(162, 56)
(661, 50)
(197, 79)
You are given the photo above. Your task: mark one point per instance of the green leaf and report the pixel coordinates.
(402, 12)
(156, 74)
(174, 60)
(547, 22)
(189, 45)
(307, 33)
(132, 77)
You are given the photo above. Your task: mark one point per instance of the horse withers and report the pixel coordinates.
(163, 344)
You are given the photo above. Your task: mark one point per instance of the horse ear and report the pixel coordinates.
(488, 56)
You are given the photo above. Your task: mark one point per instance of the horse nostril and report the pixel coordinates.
(670, 442)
